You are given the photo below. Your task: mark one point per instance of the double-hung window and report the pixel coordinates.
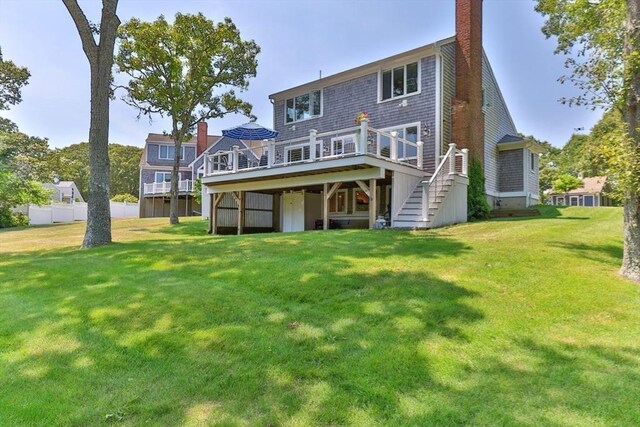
(400, 81)
(163, 177)
(168, 152)
(303, 107)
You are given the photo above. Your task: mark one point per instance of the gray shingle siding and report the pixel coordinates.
(497, 123)
(149, 175)
(342, 101)
(510, 170)
(534, 183)
(153, 153)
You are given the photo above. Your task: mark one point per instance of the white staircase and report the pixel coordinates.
(423, 204)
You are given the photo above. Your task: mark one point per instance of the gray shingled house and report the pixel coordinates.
(384, 143)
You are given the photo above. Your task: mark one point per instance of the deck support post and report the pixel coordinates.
(240, 199)
(325, 207)
(373, 203)
(214, 201)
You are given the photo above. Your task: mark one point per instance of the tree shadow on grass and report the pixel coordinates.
(307, 328)
(602, 253)
(546, 212)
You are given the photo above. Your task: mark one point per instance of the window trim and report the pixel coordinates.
(155, 177)
(404, 128)
(532, 161)
(576, 198)
(346, 202)
(286, 123)
(182, 151)
(391, 68)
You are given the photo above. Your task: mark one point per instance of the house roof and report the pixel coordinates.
(510, 138)
(66, 188)
(590, 185)
(419, 52)
(593, 184)
(160, 137)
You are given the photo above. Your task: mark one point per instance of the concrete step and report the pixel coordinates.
(411, 225)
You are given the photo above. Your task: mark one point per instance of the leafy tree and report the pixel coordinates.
(124, 175)
(100, 55)
(16, 187)
(565, 183)
(126, 197)
(29, 155)
(12, 80)
(71, 163)
(197, 191)
(18, 152)
(601, 40)
(477, 206)
(186, 70)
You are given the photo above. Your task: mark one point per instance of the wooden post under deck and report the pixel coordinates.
(214, 201)
(240, 212)
(325, 207)
(373, 203)
(212, 215)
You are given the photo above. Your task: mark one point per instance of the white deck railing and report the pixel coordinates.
(184, 185)
(351, 141)
(454, 162)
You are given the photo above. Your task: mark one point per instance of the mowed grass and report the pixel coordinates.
(505, 322)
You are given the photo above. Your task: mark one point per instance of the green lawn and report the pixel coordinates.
(506, 322)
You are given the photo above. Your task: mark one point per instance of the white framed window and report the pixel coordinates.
(338, 202)
(532, 161)
(343, 145)
(410, 132)
(163, 177)
(303, 107)
(400, 81)
(574, 201)
(297, 153)
(559, 201)
(360, 201)
(167, 152)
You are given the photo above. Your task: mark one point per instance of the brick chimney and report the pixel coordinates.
(202, 138)
(467, 117)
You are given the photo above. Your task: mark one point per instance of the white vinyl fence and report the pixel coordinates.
(76, 212)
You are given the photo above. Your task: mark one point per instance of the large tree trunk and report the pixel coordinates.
(100, 58)
(98, 211)
(631, 257)
(631, 228)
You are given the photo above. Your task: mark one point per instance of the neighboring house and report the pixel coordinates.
(398, 166)
(64, 192)
(592, 193)
(156, 168)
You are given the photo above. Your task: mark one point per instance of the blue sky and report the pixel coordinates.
(298, 39)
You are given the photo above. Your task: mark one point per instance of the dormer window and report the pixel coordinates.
(303, 107)
(400, 81)
(167, 152)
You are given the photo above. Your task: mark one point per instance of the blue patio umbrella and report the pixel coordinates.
(250, 131)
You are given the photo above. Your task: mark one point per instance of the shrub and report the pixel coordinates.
(126, 197)
(12, 219)
(477, 206)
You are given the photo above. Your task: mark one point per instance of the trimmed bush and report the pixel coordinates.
(126, 197)
(12, 219)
